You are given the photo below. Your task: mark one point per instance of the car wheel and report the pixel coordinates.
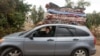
(80, 52)
(11, 52)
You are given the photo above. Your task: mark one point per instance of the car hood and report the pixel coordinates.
(13, 35)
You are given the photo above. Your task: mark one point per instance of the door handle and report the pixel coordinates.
(75, 39)
(50, 40)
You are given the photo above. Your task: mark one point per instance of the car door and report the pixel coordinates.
(40, 45)
(65, 40)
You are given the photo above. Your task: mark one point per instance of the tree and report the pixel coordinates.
(37, 15)
(69, 3)
(22, 7)
(93, 19)
(82, 4)
(40, 13)
(8, 8)
(12, 15)
(93, 22)
(34, 15)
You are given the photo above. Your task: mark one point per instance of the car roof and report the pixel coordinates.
(63, 25)
(76, 26)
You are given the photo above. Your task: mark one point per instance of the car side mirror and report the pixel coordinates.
(31, 37)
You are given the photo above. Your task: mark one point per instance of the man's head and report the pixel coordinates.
(47, 29)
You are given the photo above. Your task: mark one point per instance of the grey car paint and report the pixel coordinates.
(42, 45)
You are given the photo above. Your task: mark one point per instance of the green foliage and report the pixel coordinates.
(7, 6)
(3, 20)
(37, 15)
(16, 19)
(93, 22)
(12, 15)
(40, 13)
(79, 4)
(93, 19)
(34, 14)
(82, 4)
(21, 6)
(69, 3)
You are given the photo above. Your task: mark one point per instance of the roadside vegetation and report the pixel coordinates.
(37, 15)
(12, 15)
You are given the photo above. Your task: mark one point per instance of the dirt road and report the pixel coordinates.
(97, 51)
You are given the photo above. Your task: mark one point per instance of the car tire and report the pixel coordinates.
(80, 52)
(11, 52)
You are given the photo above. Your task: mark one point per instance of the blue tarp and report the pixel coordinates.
(60, 12)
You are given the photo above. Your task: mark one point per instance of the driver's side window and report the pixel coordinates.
(47, 31)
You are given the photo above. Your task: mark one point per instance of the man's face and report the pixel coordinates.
(47, 30)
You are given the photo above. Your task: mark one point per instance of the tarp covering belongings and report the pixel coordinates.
(65, 15)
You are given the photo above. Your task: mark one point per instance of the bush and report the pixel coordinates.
(6, 31)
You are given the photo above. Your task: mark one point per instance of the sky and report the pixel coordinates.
(94, 4)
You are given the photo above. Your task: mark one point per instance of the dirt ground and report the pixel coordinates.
(98, 42)
(97, 50)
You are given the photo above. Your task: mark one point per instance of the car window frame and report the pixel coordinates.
(67, 27)
(75, 34)
(81, 35)
(40, 28)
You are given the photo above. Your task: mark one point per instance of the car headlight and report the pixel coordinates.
(1, 40)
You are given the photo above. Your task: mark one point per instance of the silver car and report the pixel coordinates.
(50, 39)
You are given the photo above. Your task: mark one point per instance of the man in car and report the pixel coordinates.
(48, 32)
